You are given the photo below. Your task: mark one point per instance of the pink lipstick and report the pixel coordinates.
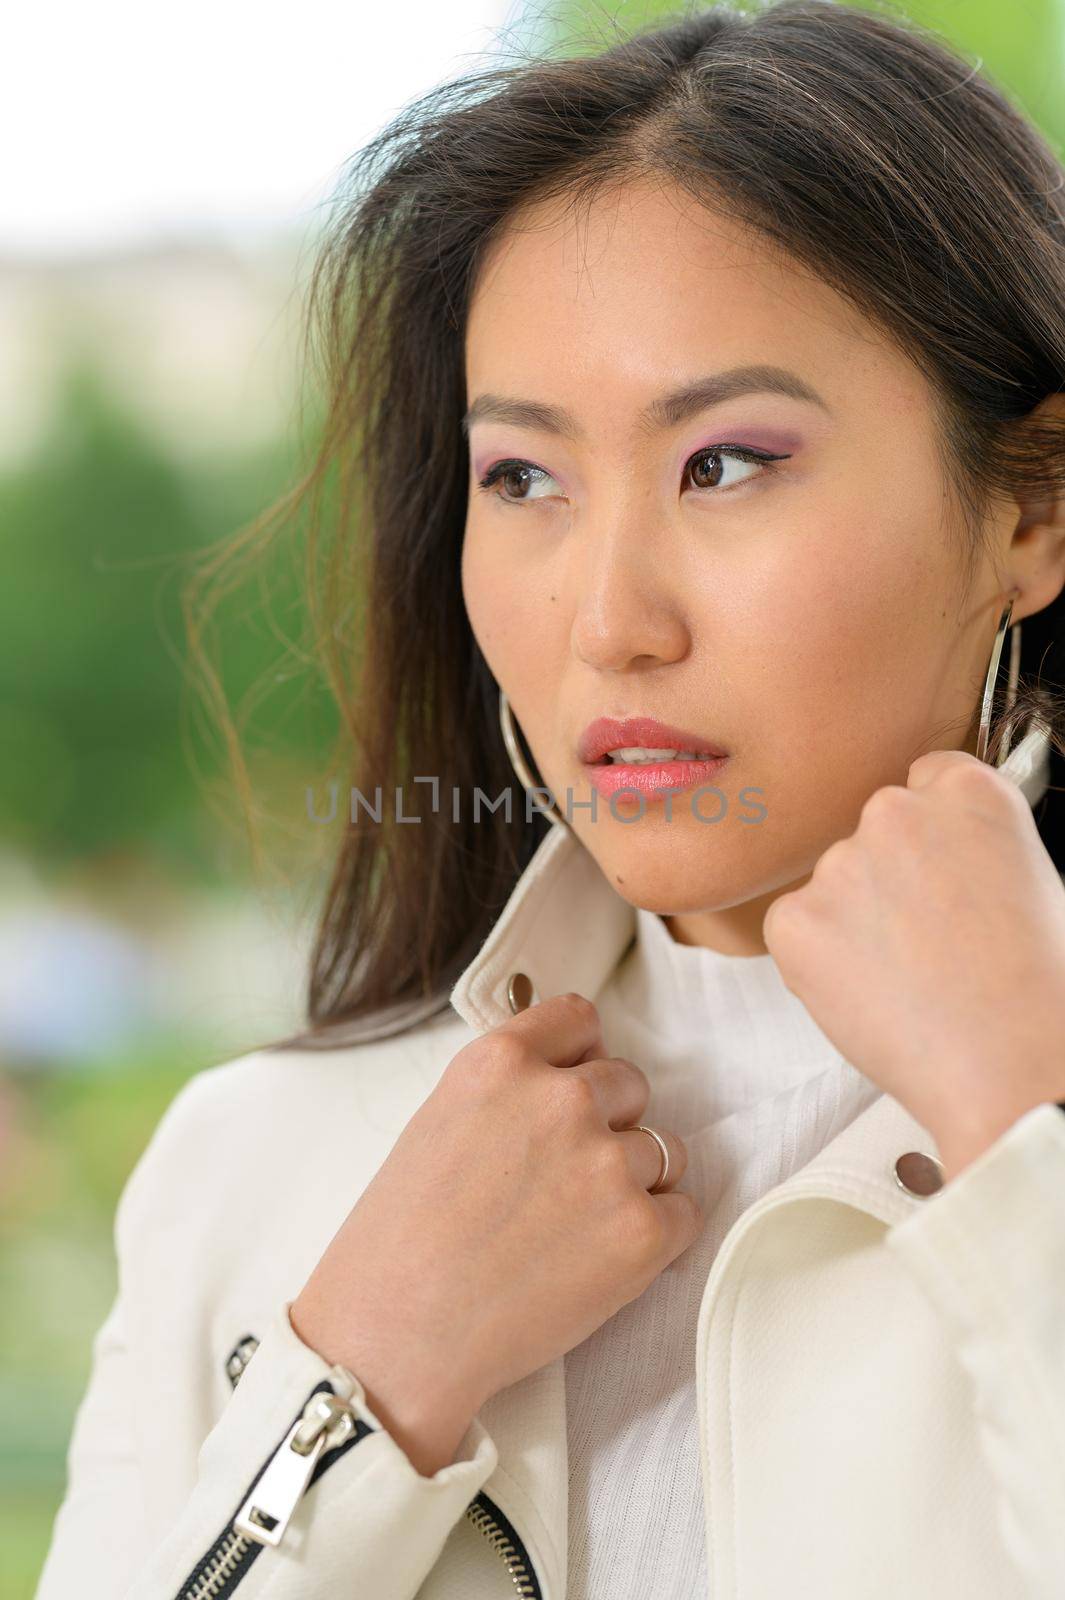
(646, 755)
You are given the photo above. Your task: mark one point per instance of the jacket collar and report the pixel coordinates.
(564, 926)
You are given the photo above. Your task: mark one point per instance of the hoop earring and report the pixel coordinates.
(521, 766)
(992, 678)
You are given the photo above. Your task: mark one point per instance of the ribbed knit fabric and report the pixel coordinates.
(742, 1072)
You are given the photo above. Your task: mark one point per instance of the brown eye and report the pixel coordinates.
(511, 481)
(706, 470)
(517, 480)
(707, 467)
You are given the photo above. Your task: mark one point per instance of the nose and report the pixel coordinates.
(626, 610)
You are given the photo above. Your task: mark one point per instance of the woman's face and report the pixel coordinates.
(810, 615)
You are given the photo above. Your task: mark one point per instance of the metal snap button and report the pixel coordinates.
(919, 1174)
(521, 991)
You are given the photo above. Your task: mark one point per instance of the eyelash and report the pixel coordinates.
(743, 452)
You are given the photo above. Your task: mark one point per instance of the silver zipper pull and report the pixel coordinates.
(327, 1420)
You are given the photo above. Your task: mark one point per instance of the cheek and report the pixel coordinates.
(843, 620)
(506, 610)
(481, 592)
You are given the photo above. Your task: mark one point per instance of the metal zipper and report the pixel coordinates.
(324, 1429)
(505, 1539)
(218, 1572)
(239, 1356)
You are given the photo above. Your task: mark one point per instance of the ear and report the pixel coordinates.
(1036, 554)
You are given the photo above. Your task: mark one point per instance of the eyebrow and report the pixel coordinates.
(665, 411)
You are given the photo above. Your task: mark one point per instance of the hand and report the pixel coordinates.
(929, 945)
(512, 1217)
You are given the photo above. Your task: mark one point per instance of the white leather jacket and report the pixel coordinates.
(881, 1373)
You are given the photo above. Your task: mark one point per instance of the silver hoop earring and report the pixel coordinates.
(992, 678)
(520, 765)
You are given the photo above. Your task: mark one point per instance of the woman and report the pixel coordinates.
(704, 398)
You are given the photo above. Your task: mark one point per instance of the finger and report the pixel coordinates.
(622, 1088)
(684, 1220)
(934, 763)
(564, 1029)
(645, 1158)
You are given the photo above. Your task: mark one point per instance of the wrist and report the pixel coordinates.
(428, 1426)
(966, 1140)
(425, 1411)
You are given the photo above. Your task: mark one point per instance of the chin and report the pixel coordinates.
(667, 873)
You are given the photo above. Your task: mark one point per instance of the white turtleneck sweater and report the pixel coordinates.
(755, 1089)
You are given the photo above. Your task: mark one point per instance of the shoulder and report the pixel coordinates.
(268, 1115)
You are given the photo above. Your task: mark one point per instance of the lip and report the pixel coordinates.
(609, 733)
(652, 778)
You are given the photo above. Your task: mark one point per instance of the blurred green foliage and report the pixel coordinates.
(79, 1137)
(99, 527)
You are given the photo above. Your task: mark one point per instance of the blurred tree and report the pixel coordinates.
(98, 527)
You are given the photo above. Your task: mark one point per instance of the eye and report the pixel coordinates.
(708, 469)
(521, 474)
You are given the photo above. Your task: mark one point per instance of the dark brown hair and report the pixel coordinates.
(860, 144)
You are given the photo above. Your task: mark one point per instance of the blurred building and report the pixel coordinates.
(199, 335)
